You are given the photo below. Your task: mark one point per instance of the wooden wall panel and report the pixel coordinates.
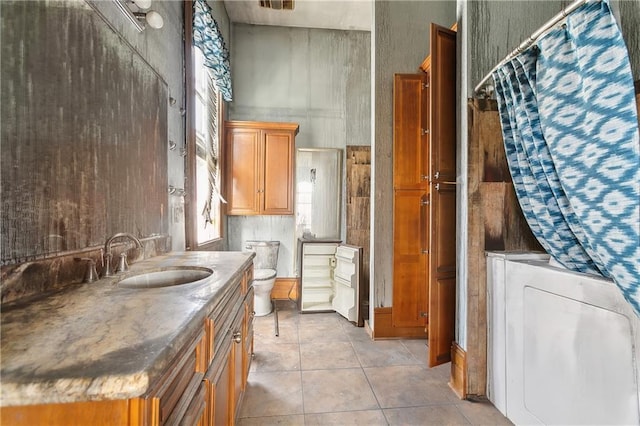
(384, 328)
(495, 223)
(358, 211)
(458, 371)
(285, 289)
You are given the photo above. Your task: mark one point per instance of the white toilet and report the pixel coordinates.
(264, 273)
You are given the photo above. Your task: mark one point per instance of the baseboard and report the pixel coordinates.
(285, 288)
(383, 327)
(458, 382)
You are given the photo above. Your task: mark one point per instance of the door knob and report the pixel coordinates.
(237, 337)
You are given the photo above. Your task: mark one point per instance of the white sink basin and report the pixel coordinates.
(166, 277)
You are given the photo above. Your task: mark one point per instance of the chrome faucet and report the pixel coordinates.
(108, 255)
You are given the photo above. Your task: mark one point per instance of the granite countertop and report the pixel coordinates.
(99, 341)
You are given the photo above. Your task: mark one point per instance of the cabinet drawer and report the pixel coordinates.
(247, 279)
(196, 411)
(220, 320)
(177, 388)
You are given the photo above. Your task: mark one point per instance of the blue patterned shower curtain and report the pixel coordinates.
(570, 128)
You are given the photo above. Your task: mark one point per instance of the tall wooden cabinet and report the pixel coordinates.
(424, 208)
(259, 170)
(411, 199)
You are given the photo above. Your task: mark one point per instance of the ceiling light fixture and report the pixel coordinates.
(134, 11)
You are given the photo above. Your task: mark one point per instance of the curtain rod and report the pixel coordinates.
(532, 39)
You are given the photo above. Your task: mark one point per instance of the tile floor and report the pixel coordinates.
(321, 370)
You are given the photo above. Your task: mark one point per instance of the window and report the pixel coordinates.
(204, 127)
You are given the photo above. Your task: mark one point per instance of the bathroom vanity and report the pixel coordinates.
(330, 278)
(100, 353)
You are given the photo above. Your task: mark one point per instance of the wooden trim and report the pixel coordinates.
(86, 412)
(190, 200)
(191, 232)
(384, 329)
(285, 289)
(425, 66)
(636, 86)
(458, 382)
(262, 125)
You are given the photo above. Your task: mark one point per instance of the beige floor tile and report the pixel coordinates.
(323, 384)
(327, 391)
(408, 386)
(321, 356)
(482, 413)
(355, 333)
(315, 333)
(275, 356)
(297, 420)
(383, 353)
(272, 394)
(320, 318)
(287, 311)
(417, 348)
(430, 415)
(364, 418)
(265, 332)
(443, 370)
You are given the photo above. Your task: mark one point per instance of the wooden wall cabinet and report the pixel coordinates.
(424, 254)
(259, 168)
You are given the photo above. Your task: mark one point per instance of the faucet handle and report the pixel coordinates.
(122, 265)
(90, 274)
(106, 272)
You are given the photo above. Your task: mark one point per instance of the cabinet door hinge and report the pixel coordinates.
(425, 86)
(424, 132)
(424, 314)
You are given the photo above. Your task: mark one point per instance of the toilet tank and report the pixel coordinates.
(266, 253)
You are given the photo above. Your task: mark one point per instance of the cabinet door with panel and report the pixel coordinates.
(410, 257)
(410, 131)
(424, 288)
(442, 270)
(243, 169)
(278, 154)
(259, 167)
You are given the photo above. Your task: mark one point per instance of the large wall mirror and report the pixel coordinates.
(84, 133)
(318, 193)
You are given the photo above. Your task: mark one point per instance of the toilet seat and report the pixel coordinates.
(264, 274)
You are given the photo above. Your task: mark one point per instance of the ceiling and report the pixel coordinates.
(331, 14)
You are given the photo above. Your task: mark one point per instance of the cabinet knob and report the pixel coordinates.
(237, 337)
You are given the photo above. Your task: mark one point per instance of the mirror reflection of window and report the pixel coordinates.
(318, 193)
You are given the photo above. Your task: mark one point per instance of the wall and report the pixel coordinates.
(400, 42)
(317, 78)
